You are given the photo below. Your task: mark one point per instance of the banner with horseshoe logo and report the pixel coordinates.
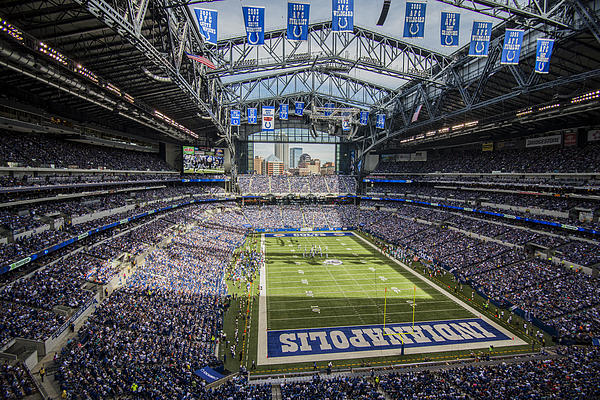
(511, 51)
(414, 20)
(268, 118)
(543, 52)
(252, 116)
(298, 14)
(480, 39)
(236, 117)
(207, 24)
(254, 19)
(342, 15)
(449, 29)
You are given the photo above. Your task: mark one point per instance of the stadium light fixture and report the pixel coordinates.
(80, 69)
(50, 52)
(586, 97)
(10, 30)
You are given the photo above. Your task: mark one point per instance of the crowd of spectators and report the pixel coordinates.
(283, 184)
(507, 275)
(151, 335)
(573, 375)
(338, 388)
(15, 382)
(536, 160)
(40, 150)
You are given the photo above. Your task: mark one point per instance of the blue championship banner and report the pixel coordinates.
(297, 27)
(511, 51)
(268, 118)
(414, 20)
(543, 52)
(252, 116)
(449, 29)
(299, 108)
(301, 342)
(342, 15)
(480, 39)
(364, 118)
(283, 112)
(254, 19)
(380, 121)
(236, 117)
(207, 24)
(328, 106)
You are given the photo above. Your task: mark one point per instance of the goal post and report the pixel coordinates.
(401, 334)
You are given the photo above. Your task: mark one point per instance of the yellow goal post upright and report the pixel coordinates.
(401, 334)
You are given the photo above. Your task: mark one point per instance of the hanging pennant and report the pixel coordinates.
(342, 15)
(449, 29)
(380, 121)
(283, 112)
(364, 117)
(207, 24)
(252, 116)
(511, 50)
(299, 108)
(254, 19)
(414, 20)
(480, 39)
(236, 117)
(268, 118)
(297, 28)
(543, 52)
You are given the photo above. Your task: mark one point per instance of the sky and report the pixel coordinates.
(324, 152)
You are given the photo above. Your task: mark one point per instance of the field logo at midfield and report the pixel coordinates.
(302, 342)
(333, 262)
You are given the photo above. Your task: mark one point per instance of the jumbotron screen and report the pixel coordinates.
(198, 160)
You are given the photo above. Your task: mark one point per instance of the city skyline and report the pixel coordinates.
(324, 152)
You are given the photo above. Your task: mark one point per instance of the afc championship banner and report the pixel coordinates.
(254, 19)
(299, 108)
(283, 112)
(252, 116)
(236, 117)
(511, 51)
(449, 29)
(480, 39)
(543, 52)
(414, 20)
(268, 118)
(297, 27)
(380, 121)
(364, 118)
(342, 15)
(207, 24)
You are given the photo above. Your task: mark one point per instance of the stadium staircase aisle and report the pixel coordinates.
(281, 215)
(304, 219)
(327, 185)
(289, 184)
(270, 189)
(250, 184)
(276, 392)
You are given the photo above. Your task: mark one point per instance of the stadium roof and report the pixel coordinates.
(137, 49)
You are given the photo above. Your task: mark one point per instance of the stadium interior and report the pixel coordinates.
(345, 199)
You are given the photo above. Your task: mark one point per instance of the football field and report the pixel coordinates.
(325, 295)
(309, 292)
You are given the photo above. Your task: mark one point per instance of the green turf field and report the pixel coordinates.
(307, 293)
